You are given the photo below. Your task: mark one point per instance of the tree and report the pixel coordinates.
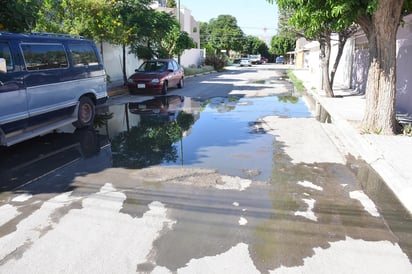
(171, 4)
(154, 27)
(18, 15)
(224, 34)
(254, 45)
(176, 42)
(280, 45)
(380, 20)
(102, 20)
(205, 39)
(317, 20)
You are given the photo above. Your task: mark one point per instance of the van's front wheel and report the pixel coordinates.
(86, 113)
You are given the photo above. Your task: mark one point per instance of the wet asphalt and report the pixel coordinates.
(231, 173)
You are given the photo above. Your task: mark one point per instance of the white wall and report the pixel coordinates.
(192, 57)
(403, 70)
(113, 62)
(344, 71)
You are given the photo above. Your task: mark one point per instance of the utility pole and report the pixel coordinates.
(180, 26)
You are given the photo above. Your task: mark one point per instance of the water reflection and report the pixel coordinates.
(40, 156)
(162, 123)
(222, 133)
(219, 133)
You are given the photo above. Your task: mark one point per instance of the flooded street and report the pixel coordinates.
(230, 174)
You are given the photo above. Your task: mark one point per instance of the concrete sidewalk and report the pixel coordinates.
(389, 156)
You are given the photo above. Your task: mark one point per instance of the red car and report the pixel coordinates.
(156, 75)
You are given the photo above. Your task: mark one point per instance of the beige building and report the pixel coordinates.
(189, 25)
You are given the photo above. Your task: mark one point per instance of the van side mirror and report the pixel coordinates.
(3, 68)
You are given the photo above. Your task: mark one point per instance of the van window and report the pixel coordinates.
(5, 53)
(44, 56)
(83, 55)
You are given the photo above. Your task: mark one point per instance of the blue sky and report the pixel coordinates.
(252, 15)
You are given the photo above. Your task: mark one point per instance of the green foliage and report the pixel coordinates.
(288, 99)
(222, 33)
(296, 81)
(171, 4)
(154, 26)
(151, 142)
(18, 15)
(280, 45)
(254, 45)
(407, 130)
(176, 41)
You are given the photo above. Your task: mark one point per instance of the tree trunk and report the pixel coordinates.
(325, 57)
(343, 37)
(380, 111)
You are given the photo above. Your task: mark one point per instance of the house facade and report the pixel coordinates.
(190, 57)
(353, 68)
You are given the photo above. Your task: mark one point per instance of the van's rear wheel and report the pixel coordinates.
(86, 113)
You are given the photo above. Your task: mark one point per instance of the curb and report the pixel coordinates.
(360, 147)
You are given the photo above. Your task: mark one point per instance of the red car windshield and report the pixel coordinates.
(153, 67)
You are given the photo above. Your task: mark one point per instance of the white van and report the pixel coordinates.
(47, 81)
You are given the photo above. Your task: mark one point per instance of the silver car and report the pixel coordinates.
(245, 62)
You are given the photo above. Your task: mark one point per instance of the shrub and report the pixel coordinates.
(216, 62)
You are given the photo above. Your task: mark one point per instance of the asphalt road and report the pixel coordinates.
(85, 213)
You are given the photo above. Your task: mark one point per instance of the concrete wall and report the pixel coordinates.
(404, 59)
(344, 71)
(113, 62)
(192, 57)
(403, 70)
(353, 68)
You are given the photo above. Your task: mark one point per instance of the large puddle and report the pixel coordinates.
(221, 133)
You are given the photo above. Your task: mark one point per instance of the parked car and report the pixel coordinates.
(156, 75)
(245, 62)
(280, 60)
(47, 81)
(263, 60)
(255, 58)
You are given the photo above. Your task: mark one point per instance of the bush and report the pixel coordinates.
(195, 71)
(216, 62)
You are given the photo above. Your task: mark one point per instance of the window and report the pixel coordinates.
(170, 66)
(44, 56)
(83, 55)
(5, 53)
(175, 65)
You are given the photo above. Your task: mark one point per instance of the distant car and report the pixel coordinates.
(156, 75)
(263, 60)
(245, 62)
(280, 60)
(255, 58)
